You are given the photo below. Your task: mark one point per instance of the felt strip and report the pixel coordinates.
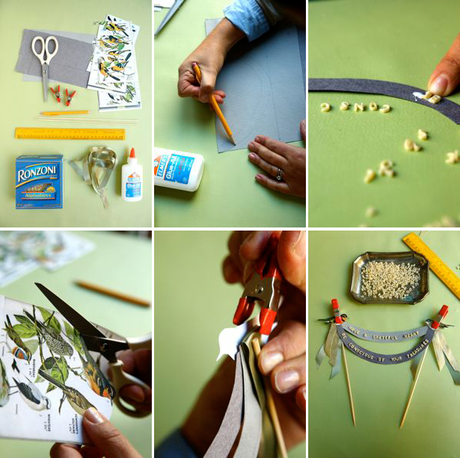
(230, 426)
(384, 337)
(248, 445)
(400, 91)
(380, 358)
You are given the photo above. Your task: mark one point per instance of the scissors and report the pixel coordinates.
(263, 287)
(97, 341)
(45, 61)
(173, 10)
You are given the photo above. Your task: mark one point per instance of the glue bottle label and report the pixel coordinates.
(133, 185)
(177, 169)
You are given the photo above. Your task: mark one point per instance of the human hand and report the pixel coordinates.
(139, 364)
(446, 75)
(283, 357)
(272, 155)
(210, 56)
(106, 439)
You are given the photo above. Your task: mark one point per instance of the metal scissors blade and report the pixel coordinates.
(45, 57)
(82, 325)
(169, 15)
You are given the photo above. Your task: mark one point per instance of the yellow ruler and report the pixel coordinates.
(43, 133)
(443, 272)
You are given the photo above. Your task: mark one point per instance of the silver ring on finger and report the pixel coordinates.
(279, 175)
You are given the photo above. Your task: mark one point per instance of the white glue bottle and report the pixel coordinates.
(131, 179)
(178, 170)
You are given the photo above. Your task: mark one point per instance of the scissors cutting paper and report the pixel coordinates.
(45, 56)
(103, 343)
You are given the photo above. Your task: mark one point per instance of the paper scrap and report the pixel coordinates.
(265, 86)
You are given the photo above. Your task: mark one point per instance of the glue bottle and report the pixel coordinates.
(131, 179)
(178, 170)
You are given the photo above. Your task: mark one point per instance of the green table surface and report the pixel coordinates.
(23, 101)
(119, 262)
(228, 194)
(380, 392)
(192, 305)
(392, 41)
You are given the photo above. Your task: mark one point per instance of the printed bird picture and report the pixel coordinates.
(32, 396)
(4, 386)
(51, 335)
(21, 349)
(77, 401)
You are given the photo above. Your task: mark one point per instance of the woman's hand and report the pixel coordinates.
(209, 56)
(281, 160)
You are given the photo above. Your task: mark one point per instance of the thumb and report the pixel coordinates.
(108, 439)
(292, 258)
(303, 130)
(446, 76)
(208, 83)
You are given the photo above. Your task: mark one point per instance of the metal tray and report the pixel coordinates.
(416, 295)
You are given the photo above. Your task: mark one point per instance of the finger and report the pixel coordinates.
(303, 130)
(88, 451)
(266, 154)
(289, 375)
(289, 342)
(208, 83)
(106, 437)
(232, 273)
(138, 363)
(301, 397)
(65, 451)
(292, 257)
(273, 145)
(446, 75)
(136, 394)
(221, 94)
(187, 85)
(275, 185)
(263, 164)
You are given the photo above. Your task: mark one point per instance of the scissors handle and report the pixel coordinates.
(120, 378)
(45, 56)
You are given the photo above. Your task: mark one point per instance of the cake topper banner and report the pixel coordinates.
(384, 337)
(397, 90)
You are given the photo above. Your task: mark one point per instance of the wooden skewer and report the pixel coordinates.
(350, 394)
(271, 406)
(111, 293)
(414, 384)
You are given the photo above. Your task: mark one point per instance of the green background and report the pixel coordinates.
(228, 194)
(22, 102)
(191, 307)
(380, 392)
(121, 263)
(392, 41)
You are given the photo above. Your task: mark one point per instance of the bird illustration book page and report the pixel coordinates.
(47, 376)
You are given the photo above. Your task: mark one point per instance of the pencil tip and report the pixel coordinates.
(232, 140)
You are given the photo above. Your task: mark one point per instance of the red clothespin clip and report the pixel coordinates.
(441, 315)
(263, 287)
(69, 97)
(56, 93)
(335, 308)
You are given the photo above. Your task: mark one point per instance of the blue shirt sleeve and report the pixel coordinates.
(248, 16)
(175, 446)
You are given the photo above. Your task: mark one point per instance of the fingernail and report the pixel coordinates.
(304, 124)
(304, 392)
(93, 416)
(251, 145)
(258, 139)
(270, 360)
(286, 381)
(439, 85)
(252, 156)
(258, 177)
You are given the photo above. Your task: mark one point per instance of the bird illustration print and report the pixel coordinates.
(53, 338)
(4, 386)
(21, 349)
(76, 400)
(32, 396)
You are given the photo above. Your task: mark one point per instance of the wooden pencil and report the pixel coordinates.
(215, 105)
(64, 113)
(271, 406)
(112, 293)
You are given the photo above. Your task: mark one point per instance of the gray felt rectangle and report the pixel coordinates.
(265, 87)
(68, 66)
